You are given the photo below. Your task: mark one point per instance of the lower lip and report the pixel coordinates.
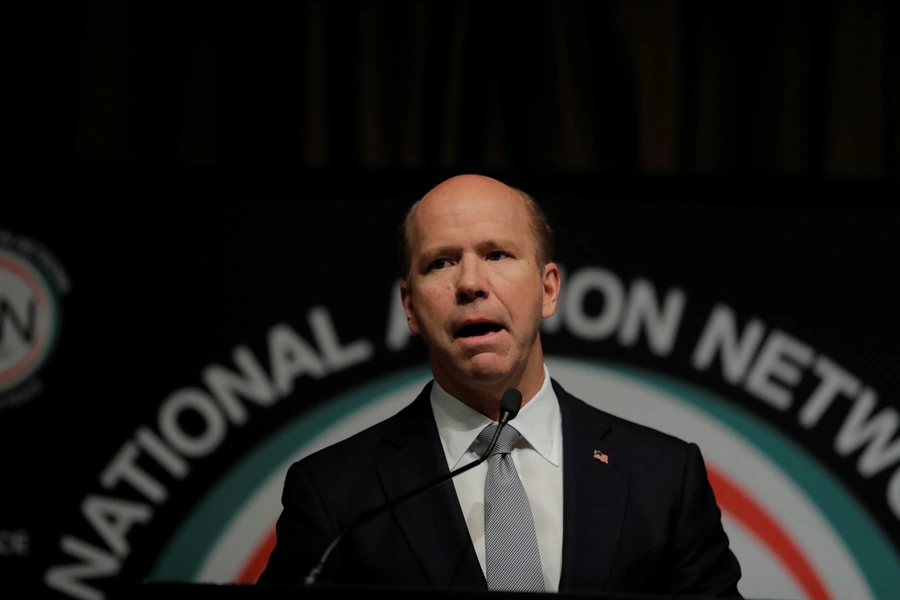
(474, 339)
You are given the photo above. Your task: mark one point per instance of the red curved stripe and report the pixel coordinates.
(251, 571)
(735, 501)
(730, 498)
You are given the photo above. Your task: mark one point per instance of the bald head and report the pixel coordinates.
(468, 186)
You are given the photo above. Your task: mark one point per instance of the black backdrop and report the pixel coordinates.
(657, 134)
(171, 270)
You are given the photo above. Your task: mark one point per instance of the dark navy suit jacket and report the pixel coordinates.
(646, 522)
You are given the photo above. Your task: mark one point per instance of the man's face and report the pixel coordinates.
(475, 293)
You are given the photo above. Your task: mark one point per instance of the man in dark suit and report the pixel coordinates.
(603, 504)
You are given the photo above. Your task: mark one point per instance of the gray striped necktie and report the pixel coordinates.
(511, 556)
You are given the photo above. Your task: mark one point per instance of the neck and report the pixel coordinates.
(485, 396)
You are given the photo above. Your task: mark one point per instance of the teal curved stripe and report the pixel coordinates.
(876, 557)
(183, 556)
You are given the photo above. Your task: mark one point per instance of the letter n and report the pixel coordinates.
(95, 563)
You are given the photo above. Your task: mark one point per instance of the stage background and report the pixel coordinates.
(197, 191)
(180, 276)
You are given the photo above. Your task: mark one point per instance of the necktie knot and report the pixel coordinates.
(505, 443)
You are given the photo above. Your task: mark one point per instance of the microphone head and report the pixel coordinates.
(511, 402)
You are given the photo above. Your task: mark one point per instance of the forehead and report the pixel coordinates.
(470, 210)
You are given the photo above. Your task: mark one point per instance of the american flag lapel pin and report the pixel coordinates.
(601, 457)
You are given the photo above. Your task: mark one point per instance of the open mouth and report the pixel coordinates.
(477, 329)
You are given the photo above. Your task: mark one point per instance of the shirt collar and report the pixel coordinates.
(539, 422)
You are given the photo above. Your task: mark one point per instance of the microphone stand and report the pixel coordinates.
(509, 408)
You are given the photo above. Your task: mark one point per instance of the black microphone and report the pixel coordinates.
(510, 404)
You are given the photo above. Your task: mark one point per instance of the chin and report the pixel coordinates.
(486, 371)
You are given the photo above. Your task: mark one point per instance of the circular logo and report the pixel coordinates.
(28, 320)
(796, 530)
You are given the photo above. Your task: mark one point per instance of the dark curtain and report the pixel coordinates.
(649, 86)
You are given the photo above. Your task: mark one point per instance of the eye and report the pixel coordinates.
(497, 255)
(440, 263)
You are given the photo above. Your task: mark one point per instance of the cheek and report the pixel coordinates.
(432, 307)
(520, 295)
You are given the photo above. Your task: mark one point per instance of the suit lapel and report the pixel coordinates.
(594, 496)
(411, 454)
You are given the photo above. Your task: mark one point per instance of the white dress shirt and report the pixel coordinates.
(538, 460)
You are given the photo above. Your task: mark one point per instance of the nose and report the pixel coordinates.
(473, 280)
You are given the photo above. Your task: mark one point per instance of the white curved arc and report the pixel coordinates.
(630, 399)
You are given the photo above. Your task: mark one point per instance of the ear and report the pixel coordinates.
(551, 283)
(406, 299)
